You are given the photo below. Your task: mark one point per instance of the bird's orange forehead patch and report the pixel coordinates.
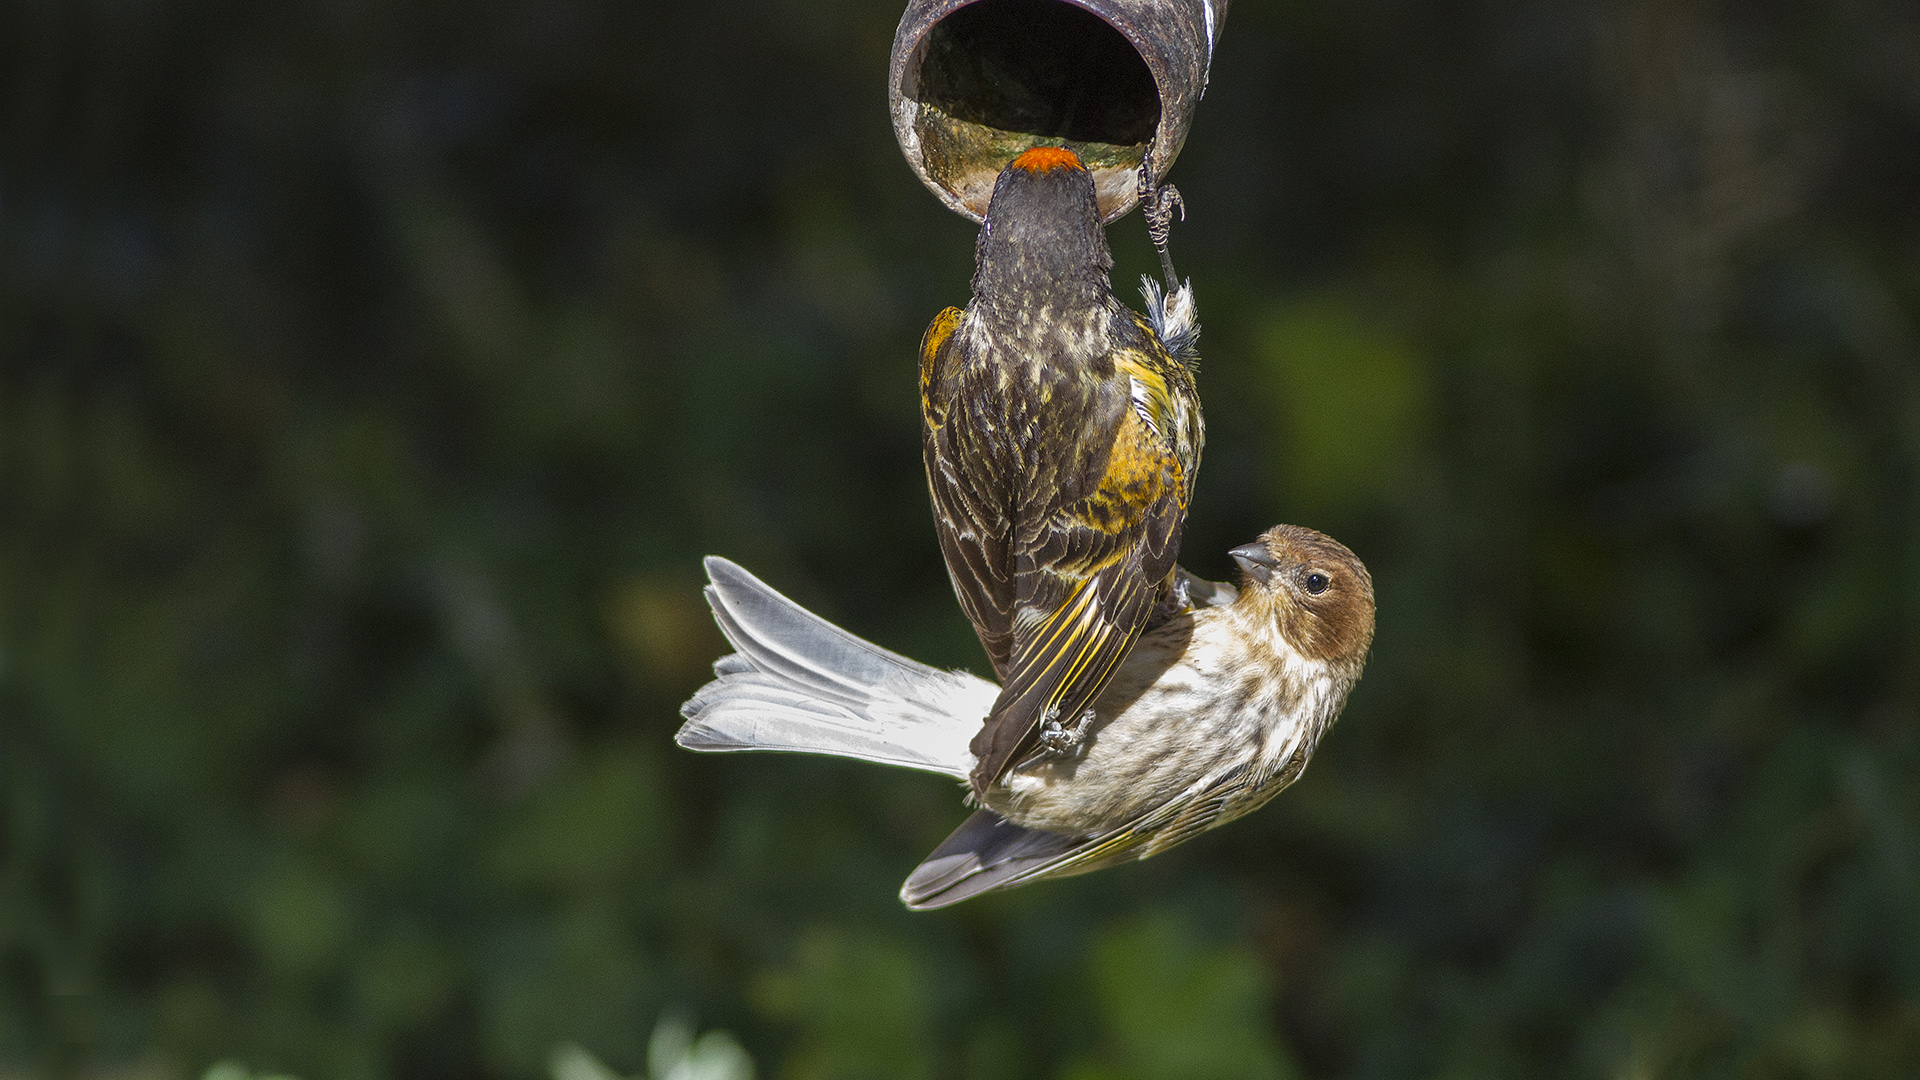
(1047, 159)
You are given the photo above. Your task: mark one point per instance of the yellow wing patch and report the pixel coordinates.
(1136, 473)
(937, 334)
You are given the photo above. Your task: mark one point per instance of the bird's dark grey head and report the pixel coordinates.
(1042, 238)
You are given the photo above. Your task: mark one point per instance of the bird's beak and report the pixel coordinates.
(1255, 560)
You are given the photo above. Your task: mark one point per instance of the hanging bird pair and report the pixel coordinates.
(1137, 706)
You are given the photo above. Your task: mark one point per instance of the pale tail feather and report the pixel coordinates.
(1173, 317)
(800, 683)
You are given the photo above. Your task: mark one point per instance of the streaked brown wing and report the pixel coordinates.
(1059, 508)
(970, 505)
(1232, 795)
(1094, 570)
(976, 535)
(987, 853)
(1173, 823)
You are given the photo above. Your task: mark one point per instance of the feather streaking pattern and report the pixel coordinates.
(1062, 437)
(1212, 713)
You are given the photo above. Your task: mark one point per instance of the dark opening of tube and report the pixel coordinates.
(997, 77)
(1042, 67)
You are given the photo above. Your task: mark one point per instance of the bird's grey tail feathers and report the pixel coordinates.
(800, 683)
(986, 852)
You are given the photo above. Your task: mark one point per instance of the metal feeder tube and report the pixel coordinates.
(973, 83)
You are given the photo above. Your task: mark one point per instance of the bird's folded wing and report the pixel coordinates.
(1091, 572)
(987, 852)
(1061, 665)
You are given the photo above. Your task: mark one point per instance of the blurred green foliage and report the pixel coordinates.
(372, 378)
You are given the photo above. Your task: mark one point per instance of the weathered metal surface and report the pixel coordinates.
(975, 82)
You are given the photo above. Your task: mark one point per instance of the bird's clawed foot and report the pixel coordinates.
(1157, 203)
(1059, 739)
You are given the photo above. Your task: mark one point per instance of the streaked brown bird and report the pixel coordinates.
(1212, 713)
(1062, 433)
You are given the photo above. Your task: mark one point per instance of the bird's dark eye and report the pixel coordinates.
(1316, 583)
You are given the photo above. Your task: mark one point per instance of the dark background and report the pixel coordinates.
(373, 377)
